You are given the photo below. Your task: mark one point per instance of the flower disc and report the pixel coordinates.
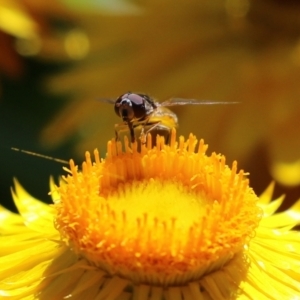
(165, 215)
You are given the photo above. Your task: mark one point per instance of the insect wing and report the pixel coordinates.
(107, 100)
(182, 101)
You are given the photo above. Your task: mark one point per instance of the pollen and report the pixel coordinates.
(164, 215)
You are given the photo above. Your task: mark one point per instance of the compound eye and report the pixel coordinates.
(135, 99)
(130, 106)
(117, 106)
(138, 105)
(124, 109)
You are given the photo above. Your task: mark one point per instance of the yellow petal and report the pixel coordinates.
(15, 21)
(272, 207)
(37, 215)
(282, 219)
(266, 196)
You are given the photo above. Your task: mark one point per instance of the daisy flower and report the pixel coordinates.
(164, 223)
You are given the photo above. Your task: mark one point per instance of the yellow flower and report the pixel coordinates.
(163, 223)
(26, 29)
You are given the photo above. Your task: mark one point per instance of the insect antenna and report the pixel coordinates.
(61, 161)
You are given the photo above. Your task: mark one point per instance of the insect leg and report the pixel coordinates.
(120, 127)
(144, 134)
(131, 129)
(153, 126)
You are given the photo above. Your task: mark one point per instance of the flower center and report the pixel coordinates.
(165, 216)
(155, 199)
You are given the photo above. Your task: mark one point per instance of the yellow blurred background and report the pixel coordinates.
(58, 58)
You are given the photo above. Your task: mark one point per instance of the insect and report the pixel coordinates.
(141, 113)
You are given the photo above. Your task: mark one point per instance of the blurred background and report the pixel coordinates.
(59, 57)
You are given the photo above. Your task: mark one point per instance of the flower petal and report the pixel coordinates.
(15, 262)
(37, 215)
(53, 190)
(10, 223)
(266, 196)
(286, 218)
(272, 207)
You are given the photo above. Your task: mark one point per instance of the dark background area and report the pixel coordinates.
(25, 108)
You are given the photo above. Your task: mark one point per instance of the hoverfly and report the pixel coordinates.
(141, 113)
